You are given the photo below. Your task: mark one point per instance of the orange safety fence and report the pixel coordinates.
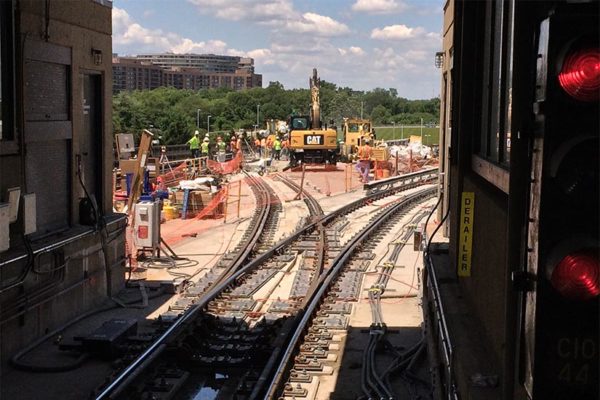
(226, 167)
(214, 207)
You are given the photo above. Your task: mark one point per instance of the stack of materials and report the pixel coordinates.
(192, 196)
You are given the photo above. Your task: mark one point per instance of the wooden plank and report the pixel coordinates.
(142, 158)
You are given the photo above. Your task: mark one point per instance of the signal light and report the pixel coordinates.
(580, 74)
(577, 276)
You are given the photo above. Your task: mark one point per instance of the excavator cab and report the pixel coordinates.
(300, 123)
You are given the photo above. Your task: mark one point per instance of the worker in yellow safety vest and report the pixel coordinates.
(204, 147)
(363, 166)
(194, 143)
(221, 148)
(277, 148)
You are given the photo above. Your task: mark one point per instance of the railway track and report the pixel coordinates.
(314, 208)
(227, 337)
(314, 344)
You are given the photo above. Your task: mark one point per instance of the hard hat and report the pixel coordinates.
(196, 133)
(219, 138)
(206, 139)
(205, 135)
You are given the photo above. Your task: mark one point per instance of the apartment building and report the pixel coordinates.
(183, 71)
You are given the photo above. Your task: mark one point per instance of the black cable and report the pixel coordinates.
(23, 366)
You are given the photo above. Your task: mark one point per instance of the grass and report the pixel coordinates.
(430, 135)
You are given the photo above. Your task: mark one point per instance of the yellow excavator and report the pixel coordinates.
(310, 142)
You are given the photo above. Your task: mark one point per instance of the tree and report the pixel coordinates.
(174, 111)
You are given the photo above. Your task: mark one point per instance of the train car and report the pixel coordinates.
(512, 299)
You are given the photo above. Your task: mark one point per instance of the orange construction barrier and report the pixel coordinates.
(216, 207)
(227, 167)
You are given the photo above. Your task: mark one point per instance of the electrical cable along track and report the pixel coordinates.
(230, 340)
(308, 349)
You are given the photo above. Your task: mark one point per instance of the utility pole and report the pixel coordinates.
(257, 115)
(208, 124)
(198, 118)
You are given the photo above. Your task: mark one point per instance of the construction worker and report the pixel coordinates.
(363, 166)
(277, 148)
(221, 148)
(257, 145)
(263, 147)
(194, 143)
(284, 147)
(232, 144)
(204, 147)
(269, 146)
(204, 151)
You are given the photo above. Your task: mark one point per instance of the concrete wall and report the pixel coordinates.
(74, 269)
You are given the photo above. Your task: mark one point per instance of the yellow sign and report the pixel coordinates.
(465, 243)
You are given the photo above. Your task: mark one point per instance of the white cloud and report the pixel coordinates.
(128, 32)
(316, 24)
(277, 14)
(396, 32)
(352, 50)
(378, 6)
(249, 10)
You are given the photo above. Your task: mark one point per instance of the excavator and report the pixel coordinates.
(311, 143)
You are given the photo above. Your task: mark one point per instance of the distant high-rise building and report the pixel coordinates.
(183, 71)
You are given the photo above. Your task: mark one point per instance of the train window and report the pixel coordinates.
(494, 141)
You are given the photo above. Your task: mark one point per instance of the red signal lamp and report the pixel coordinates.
(580, 74)
(577, 276)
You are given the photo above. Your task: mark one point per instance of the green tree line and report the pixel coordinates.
(175, 112)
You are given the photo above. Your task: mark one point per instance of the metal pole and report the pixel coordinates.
(361, 109)
(421, 131)
(208, 124)
(257, 115)
(198, 118)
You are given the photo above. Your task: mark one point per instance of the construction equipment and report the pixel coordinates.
(310, 142)
(356, 130)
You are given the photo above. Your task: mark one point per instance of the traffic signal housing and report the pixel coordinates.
(563, 242)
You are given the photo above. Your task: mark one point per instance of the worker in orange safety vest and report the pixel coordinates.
(363, 166)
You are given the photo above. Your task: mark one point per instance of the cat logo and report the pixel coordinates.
(313, 139)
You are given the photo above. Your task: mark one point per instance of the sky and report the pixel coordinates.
(362, 44)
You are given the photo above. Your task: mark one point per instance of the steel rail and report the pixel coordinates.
(413, 177)
(263, 198)
(313, 205)
(337, 265)
(115, 387)
(224, 280)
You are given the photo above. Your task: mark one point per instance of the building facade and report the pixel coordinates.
(184, 71)
(62, 250)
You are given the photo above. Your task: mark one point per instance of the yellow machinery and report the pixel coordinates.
(356, 130)
(310, 143)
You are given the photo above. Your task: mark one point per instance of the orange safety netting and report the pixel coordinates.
(216, 205)
(174, 175)
(226, 167)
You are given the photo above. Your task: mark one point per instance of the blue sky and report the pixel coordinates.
(362, 44)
